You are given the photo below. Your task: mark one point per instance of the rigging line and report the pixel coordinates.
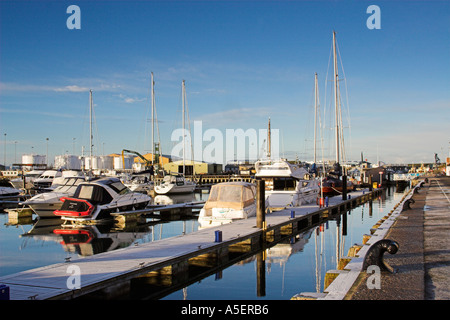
(159, 137)
(96, 130)
(189, 126)
(346, 95)
(326, 85)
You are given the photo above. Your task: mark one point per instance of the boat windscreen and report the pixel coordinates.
(93, 193)
(119, 187)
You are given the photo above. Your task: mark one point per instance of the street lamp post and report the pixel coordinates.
(4, 159)
(47, 152)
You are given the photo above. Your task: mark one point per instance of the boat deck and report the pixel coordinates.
(108, 268)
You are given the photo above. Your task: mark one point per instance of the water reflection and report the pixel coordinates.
(295, 265)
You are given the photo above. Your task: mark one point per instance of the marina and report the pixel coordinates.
(105, 269)
(283, 178)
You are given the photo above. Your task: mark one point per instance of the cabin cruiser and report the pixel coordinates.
(175, 184)
(228, 201)
(286, 184)
(6, 192)
(28, 178)
(139, 182)
(45, 180)
(94, 201)
(44, 204)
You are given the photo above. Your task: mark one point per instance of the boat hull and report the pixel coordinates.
(174, 189)
(80, 211)
(220, 216)
(46, 210)
(335, 187)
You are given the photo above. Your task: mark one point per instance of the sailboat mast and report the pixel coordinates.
(90, 127)
(316, 89)
(153, 118)
(336, 103)
(183, 111)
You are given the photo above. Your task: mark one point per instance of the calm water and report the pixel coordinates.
(290, 268)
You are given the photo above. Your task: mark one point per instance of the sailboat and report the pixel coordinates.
(286, 184)
(332, 184)
(177, 183)
(144, 181)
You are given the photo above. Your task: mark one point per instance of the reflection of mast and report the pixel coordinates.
(319, 256)
(317, 262)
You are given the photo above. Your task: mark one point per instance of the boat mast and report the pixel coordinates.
(183, 111)
(90, 128)
(336, 101)
(316, 89)
(153, 118)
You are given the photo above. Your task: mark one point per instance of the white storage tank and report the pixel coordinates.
(33, 159)
(107, 162)
(67, 161)
(91, 163)
(118, 163)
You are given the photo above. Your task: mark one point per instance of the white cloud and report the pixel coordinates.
(72, 89)
(15, 87)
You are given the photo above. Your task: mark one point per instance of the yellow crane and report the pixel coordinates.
(148, 163)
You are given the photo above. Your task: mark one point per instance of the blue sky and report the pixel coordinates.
(243, 62)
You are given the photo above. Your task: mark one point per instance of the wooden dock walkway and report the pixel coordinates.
(172, 254)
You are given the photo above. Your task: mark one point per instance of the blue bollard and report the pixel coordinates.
(4, 292)
(292, 214)
(326, 202)
(218, 234)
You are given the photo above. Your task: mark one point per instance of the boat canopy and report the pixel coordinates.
(279, 168)
(233, 195)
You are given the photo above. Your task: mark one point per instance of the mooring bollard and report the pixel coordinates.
(374, 255)
(218, 234)
(292, 214)
(260, 204)
(4, 292)
(344, 187)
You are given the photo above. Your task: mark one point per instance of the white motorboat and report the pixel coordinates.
(44, 204)
(45, 180)
(175, 184)
(6, 192)
(228, 201)
(28, 178)
(139, 182)
(93, 202)
(286, 184)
